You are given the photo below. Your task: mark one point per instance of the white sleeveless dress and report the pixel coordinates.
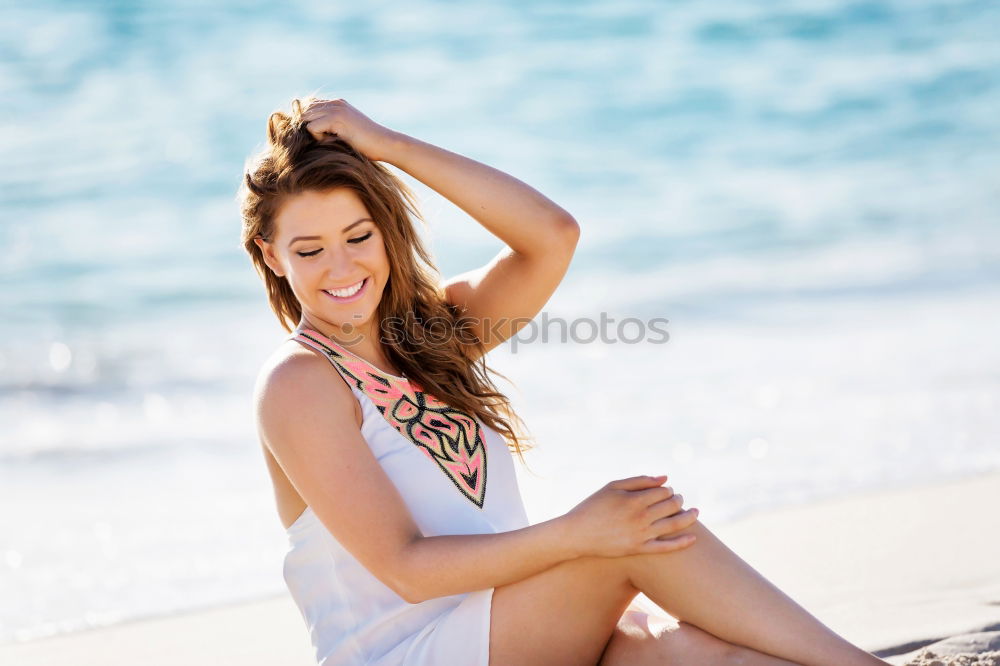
(456, 475)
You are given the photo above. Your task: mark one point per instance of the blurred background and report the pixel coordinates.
(806, 190)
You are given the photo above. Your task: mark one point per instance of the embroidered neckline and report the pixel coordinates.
(341, 348)
(449, 437)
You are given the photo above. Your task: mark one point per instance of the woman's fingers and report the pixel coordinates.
(652, 496)
(637, 482)
(666, 507)
(666, 545)
(319, 118)
(663, 527)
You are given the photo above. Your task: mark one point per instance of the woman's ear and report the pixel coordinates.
(267, 252)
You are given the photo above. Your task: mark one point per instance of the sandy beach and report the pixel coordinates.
(893, 572)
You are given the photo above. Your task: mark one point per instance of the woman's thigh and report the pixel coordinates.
(563, 616)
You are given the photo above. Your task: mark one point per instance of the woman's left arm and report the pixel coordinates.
(506, 293)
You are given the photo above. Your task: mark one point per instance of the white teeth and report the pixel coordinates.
(344, 293)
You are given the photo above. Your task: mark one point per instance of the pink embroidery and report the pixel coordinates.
(449, 437)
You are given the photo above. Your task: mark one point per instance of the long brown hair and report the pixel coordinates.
(453, 369)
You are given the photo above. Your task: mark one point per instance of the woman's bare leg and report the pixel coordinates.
(570, 614)
(709, 586)
(573, 614)
(563, 616)
(649, 640)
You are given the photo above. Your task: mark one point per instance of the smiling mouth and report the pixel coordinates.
(349, 294)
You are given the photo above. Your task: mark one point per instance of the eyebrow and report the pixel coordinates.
(345, 230)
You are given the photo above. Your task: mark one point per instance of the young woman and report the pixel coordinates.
(390, 448)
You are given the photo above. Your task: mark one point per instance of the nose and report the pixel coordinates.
(341, 265)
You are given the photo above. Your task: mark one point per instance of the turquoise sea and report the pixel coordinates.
(805, 190)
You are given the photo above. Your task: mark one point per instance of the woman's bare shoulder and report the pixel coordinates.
(293, 376)
(290, 364)
(288, 358)
(289, 351)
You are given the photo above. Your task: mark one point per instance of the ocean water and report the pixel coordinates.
(805, 191)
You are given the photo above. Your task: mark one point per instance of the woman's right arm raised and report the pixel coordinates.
(305, 416)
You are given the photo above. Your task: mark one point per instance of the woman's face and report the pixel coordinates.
(326, 242)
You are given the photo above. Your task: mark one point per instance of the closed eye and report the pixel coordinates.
(359, 239)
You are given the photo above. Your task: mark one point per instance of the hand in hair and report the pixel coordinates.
(323, 117)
